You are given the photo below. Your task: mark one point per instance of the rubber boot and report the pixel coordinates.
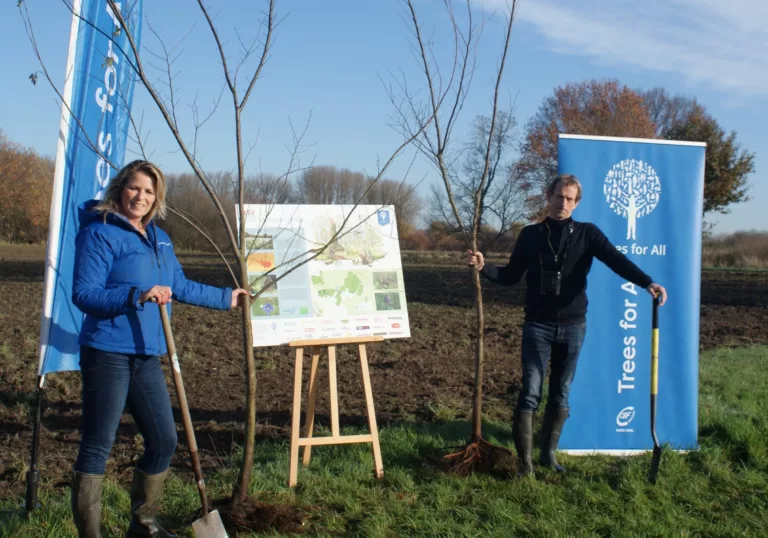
(522, 432)
(86, 503)
(146, 492)
(550, 436)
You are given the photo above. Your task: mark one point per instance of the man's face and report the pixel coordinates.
(563, 201)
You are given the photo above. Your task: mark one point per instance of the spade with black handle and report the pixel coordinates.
(653, 472)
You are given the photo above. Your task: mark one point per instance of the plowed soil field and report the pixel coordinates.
(427, 376)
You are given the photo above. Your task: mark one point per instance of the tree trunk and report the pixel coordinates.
(246, 466)
(477, 398)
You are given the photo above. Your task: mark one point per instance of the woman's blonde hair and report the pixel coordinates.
(112, 196)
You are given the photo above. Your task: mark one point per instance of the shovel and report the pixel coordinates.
(656, 459)
(210, 525)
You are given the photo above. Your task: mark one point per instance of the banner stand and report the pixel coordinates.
(97, 92)
(646, 197)
(33, 475)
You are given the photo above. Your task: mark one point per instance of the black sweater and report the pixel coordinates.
(576, 244)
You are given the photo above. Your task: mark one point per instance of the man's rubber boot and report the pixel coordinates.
(146, 492)
(86, 503)
(554, 419)
(522, 432)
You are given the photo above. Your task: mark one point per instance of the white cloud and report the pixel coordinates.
(712, 43)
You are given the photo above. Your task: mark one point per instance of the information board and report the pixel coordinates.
(324, 271)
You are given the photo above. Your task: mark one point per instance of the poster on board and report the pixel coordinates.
(324, 271)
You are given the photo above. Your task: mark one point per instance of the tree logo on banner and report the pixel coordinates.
(632, 189)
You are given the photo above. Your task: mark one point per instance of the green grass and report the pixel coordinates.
(720, 490)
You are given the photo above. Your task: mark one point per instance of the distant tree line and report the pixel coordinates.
(522, 165)
(316, 185)
(26, 180)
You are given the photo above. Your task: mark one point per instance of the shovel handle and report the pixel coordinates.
(654, 366)
(178, 382)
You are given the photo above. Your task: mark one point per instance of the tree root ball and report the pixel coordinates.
(256, 516)
(481, 456)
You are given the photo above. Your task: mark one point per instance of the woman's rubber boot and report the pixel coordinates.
(522, 432)
(554, 419)
(146, 492)
(86, 503)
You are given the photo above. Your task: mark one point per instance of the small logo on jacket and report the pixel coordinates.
(625, 416)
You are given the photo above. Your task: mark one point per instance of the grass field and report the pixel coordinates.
(719, 490)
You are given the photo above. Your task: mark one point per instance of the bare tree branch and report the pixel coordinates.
(72, 116)
(222, 54)
(189, 221)
(172, 126)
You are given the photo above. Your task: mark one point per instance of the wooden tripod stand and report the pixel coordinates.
(335, 438)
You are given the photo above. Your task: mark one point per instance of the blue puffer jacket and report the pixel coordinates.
(114, 264)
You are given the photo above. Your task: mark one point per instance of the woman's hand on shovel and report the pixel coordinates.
(160, 294)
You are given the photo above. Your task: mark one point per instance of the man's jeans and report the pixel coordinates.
(563, 343)
(111, 382)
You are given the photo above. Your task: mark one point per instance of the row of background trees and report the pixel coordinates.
(521, 165)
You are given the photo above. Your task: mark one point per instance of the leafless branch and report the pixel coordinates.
(172, 126)
(199, 123)
(72, 116)
(219, 45)
(189, 221)
(492, 129)
(264, 53)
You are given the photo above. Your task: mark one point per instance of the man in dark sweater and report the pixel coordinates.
(556, 256)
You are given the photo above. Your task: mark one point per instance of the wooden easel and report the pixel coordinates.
(335, 438)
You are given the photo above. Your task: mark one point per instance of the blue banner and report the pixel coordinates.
(97, 95)
(647, 197)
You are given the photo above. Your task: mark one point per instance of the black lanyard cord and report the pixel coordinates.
(549, 242)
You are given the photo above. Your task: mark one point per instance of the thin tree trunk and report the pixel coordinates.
(246, 467)
(477, 399)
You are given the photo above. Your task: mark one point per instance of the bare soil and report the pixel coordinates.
(422, 378)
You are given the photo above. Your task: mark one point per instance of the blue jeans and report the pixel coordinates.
(540, 342)
(112, 382)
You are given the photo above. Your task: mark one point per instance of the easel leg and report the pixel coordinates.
(378, 464)
(334, 393)
(295, 427)
(311, 398)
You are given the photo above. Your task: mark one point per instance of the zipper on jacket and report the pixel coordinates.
(159, 277)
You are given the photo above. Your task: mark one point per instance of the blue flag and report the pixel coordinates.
(647, 196)
(98, 92)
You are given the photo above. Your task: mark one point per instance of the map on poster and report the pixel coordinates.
(353, 287)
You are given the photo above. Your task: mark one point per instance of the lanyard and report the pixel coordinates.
(554, 253)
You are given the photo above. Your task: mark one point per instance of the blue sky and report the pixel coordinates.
(330, 58)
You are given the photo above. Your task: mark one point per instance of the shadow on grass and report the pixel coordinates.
(10, 516)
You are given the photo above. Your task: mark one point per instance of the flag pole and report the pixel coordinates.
(52, 255)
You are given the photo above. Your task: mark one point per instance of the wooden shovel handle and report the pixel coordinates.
(178, 382)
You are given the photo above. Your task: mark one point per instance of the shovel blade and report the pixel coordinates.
(653, 472)
(209, 526)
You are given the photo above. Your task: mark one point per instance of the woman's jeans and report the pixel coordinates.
(112, 382)
(563, 344)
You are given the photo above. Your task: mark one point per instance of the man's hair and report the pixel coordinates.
(111, 201)
(567, 180)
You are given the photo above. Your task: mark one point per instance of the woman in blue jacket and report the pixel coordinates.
(122, 261)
